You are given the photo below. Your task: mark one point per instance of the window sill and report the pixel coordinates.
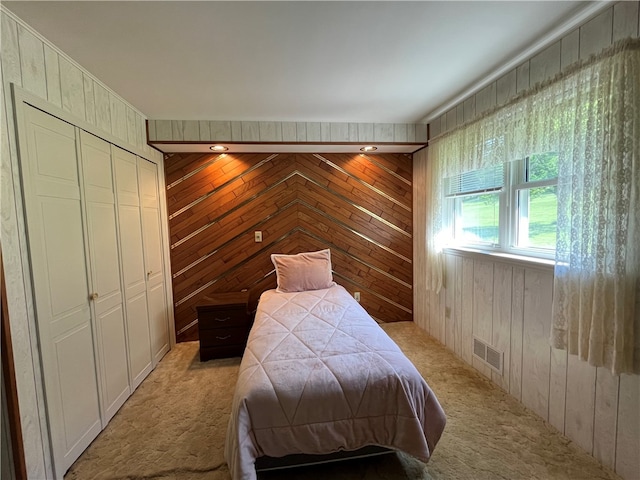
(509, 258)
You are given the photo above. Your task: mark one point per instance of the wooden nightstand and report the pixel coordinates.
(223, 325)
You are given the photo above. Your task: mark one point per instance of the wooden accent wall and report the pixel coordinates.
(359, 206)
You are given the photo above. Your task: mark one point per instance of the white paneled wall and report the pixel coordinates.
(508, 304)
(34, 65)
(621, 20)
(286, 132)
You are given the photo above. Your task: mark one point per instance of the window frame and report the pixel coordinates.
(508, 216)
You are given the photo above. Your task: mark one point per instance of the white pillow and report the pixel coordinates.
(303, 271)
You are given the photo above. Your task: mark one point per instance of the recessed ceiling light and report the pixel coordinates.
(219, 148)
(368, 148)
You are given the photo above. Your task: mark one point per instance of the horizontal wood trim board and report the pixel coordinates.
(360, 206)
(257, 142)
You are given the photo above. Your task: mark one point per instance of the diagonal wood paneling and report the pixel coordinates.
(360, 206)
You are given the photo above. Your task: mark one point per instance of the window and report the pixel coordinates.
(510, 208)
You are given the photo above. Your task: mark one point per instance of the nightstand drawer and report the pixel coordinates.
(214, 318)
(224, 336)
(208, 353)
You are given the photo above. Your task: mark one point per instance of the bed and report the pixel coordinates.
(319, 376)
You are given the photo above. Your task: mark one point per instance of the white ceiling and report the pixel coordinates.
(331, 61)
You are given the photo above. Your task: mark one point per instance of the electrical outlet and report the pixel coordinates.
(356, 295)
(258, 236)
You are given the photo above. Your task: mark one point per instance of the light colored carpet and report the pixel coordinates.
(173, 427)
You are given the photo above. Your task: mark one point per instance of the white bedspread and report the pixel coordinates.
(319, 375)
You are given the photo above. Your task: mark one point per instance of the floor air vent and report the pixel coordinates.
(488, 354)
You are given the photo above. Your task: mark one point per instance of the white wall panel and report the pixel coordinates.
(32, 63)
(517, 330)
(579, 414)
(557, 388)
(52, 74)
(325, 132)
(536, 354)
(625, 20)
(236, 132)
(506, 87)
(486, 98)
(545, 65)
(606, 417)
(628, 435)
(467, 310)
(596, 34)
(72, 86)
(220, 131)
(191, 130)
(482, 308)
(103, 107)
(289, 132)
(569, 49)
(522, 77)
(204, 132)
(89, 97)
(177, 133)
(501, 334)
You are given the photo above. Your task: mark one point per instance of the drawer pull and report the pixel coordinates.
(222, 319)
(223, 338)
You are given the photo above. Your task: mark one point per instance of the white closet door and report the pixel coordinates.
(105, 272)
(57, 249)
(152, 237)
(134, 273)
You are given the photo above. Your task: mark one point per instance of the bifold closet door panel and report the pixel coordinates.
(134, 273)
(99, 193)
(152, 238)
(59, 265)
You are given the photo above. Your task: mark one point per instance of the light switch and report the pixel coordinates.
(258, 236)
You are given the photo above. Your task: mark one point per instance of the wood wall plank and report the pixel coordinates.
(359, 206)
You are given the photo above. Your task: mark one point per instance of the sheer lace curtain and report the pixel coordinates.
(591, 117)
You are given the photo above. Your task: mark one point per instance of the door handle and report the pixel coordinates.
(224, 338)
(93, 296)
